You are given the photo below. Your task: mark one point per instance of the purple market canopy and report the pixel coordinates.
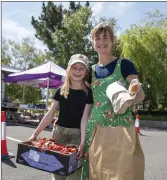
(38, 76)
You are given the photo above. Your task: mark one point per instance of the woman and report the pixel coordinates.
(108, 70)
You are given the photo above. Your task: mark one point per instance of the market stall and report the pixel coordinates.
(48, 75)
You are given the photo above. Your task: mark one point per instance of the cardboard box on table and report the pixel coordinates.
(47, 160)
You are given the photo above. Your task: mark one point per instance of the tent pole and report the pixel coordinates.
(47, 95)
(23, 93)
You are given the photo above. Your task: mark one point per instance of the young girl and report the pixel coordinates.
(73, 100)
(108, 70)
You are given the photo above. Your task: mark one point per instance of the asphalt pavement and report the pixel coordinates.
(153, 141)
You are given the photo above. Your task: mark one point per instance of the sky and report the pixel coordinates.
(16, 16)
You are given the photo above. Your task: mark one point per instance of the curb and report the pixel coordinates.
(33, 125)
(143, 124)
(153, 124)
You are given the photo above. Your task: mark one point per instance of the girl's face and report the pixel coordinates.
(102, 43)
(77, 72)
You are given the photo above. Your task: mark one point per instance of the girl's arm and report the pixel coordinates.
(140, 96)
(84, 120)
(46, 120)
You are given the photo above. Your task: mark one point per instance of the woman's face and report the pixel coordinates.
(102, 43)
(78, 72)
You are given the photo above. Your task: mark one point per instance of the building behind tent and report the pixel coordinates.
(5, 70)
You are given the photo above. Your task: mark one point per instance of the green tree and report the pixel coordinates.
(72, 6)
(73, 38)
(87, 4)
(24, 94)
(14, 91)
(22, 55)
(6, 59)
(49, 21)
(146, 45)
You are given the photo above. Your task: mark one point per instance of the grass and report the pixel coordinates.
(153, 118)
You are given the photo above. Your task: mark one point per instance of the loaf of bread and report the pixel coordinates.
(134, 86)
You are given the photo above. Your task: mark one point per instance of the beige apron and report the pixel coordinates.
(67, 136)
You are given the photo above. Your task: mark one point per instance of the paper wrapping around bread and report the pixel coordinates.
(119, 97)
(114, 88)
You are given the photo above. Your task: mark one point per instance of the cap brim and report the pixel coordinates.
(77, 61)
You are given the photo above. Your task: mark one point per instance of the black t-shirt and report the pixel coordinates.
(127, 68)
(72, 108)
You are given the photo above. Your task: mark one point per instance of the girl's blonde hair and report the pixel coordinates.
(103, 27)
(66, 86)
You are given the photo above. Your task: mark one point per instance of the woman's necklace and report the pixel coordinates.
(104, 65)
(101, 65)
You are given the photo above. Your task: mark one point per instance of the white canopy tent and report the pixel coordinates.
(48, 75)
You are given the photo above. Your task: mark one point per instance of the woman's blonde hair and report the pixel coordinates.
(103, 27)
(66, 86)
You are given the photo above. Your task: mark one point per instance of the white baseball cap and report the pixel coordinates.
(79, 58)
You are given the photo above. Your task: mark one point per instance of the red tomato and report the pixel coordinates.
(64, 151)
(52, 139)
(73, 150)
(60, 148)
(49, 147)
(42, 142)
(69, 148)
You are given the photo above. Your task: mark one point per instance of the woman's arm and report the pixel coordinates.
(46, 120)
(140, 95)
